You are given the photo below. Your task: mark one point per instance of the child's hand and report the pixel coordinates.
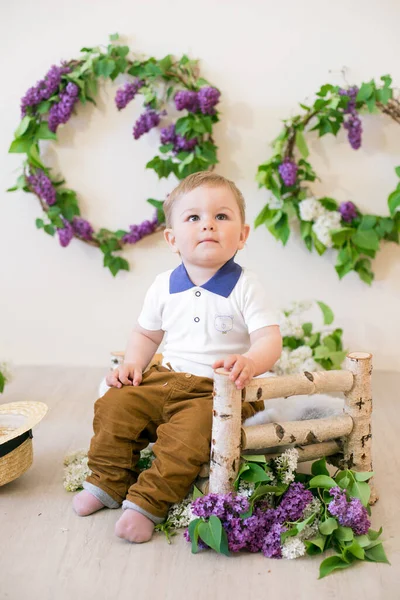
(125, 374)
(242, 369)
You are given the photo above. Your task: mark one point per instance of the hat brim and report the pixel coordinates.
(33, 413)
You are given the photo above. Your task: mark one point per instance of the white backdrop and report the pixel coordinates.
(60, 306)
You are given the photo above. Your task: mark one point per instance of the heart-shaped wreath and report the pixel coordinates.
(186, 147)
(323, 222)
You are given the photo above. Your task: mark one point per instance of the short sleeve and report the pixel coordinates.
(151, 314)
(257, 311)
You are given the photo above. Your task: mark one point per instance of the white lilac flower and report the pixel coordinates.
(309, 531)
(313, 508)
(290, 325)
(274, 202)
(5, 370)
(246, 488)
(311, 209)
(180, 514)
(298, 307)
(286, 465)
(324, 225)
(302, 353)
(295, 361)
(293, 548)
(75, 472)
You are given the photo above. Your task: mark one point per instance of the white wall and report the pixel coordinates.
(60, 305)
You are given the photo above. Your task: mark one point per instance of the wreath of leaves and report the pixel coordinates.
(356, 236)
(158, 81)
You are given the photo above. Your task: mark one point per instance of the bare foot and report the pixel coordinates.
(85, 503)
(134, 527)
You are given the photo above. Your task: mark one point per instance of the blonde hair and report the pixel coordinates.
(206, 178)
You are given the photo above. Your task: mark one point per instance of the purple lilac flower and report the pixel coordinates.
(272, 543)
(82, 228)
(293, 503)
(127, 93)
(65, 234)
(353, 123)
(62, 111)
(208, 98)
(145, 122)
(168, 135)
(349, 514)
(354, 131)
(188, 100)
(183, 144)
(44, 88)
(137, 232)
(348, 211)
(220, 505)
(39, 183)
(288, 171)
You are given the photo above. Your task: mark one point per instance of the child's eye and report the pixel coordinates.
(193, 218)
(222, 217)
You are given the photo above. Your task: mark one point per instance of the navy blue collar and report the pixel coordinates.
(222, 283)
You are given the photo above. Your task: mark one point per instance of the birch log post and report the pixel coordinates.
(225, 439)
(358, 404)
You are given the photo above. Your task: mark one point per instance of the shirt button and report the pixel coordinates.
(196, 319)
(197, 293)
(188, 375)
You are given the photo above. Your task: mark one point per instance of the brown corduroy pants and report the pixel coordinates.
(172, 409)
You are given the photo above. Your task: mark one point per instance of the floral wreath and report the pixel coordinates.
(323, 222)
(186, 147)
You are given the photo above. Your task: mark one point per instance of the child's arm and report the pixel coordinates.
(265, 349)
(142, 345)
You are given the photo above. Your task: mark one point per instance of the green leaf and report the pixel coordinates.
(393, 200)
(322, 481)
(301, 143)
(319, 467)
(397, 170)
(365, 91)
(114, 37)
(355, 549)
(315, 545)
(329, 203)
(197, 493)
(44, 133)
(373, 535)
(344, 534)
(255, 474)
(2, 382)
(193, 530)
(39, 223)
(376, 554)
(327, 313)
(307, 328)
(363, 475)
(331, 564)
(257, 458)
(21, 146)
(211, 532)
(43, 107)
(49, 229)
(328, 526)
(23, 126)
(361, 490)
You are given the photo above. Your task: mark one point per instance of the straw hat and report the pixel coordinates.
(16, 422)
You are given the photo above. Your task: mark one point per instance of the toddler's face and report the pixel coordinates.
(206, 227)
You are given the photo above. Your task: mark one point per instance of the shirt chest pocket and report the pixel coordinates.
(223, 323)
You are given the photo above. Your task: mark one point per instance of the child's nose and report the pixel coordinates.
(208, 225)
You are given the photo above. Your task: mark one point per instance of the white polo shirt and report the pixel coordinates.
(208, 322)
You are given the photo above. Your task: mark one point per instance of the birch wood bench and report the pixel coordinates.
(345, 440)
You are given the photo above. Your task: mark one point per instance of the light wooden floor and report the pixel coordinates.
(47, 552)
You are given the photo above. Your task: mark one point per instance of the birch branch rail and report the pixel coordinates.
(346, 438)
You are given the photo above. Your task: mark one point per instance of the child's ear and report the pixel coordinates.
(243, 236)
(169, 237)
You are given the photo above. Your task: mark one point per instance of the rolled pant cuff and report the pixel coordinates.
(128, 504)
(101, 495)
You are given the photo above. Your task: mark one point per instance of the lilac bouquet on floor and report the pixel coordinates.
(284, 514)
